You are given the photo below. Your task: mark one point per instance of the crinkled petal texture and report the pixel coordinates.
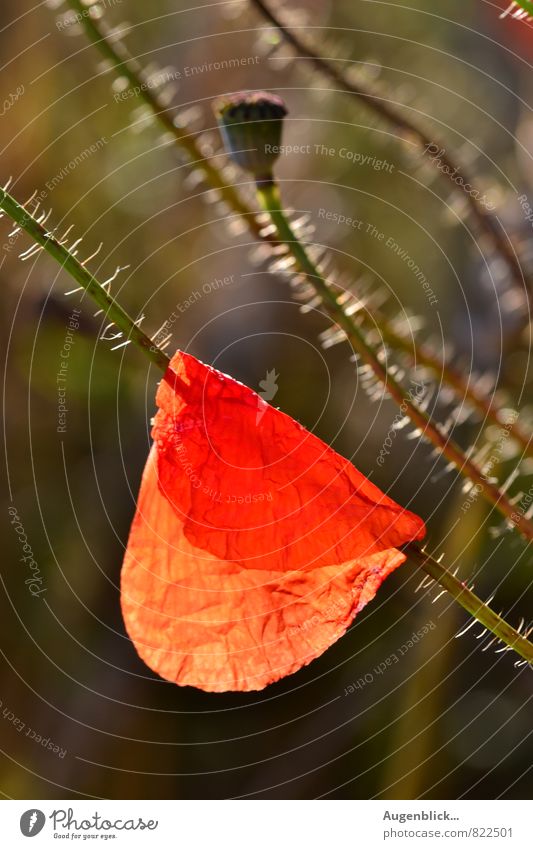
(254, 544)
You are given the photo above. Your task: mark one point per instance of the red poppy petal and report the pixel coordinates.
(210, 623)
(252, 485)
(219, 594)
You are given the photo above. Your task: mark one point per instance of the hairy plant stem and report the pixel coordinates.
(422, 355)
(269, 197)
(116, 53)
(465, 597)
(126, 66)
(471, 603)
(409, 128)
(112, 310)
(526, 5)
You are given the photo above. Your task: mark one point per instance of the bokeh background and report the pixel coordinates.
(449, 720)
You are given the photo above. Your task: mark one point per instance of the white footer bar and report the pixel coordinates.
(268, 824)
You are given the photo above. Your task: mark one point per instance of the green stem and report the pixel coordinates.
(525, 5)
(81, 275)
(115, 313)
(270, 200)
(410, 129)
(126, 66)
(423, 355)
(471, 603)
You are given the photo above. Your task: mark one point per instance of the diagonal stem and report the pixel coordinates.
(270, 199)
(81, 275)
(471, 602)
(423, 355)
(125, 65)
(409, 128)
(526, 5)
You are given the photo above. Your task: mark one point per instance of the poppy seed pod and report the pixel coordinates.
(251, 125)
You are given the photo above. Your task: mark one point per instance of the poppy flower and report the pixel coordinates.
(254, 544)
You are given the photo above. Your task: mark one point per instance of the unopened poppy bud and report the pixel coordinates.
(251, 125)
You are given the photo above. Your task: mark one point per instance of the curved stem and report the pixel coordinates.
(126, 66)
(270, 199)
(409, 128)
(58, 250)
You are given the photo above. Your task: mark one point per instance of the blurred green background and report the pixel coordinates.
(448, 720)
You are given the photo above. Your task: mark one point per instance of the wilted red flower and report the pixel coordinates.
(254, 544)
